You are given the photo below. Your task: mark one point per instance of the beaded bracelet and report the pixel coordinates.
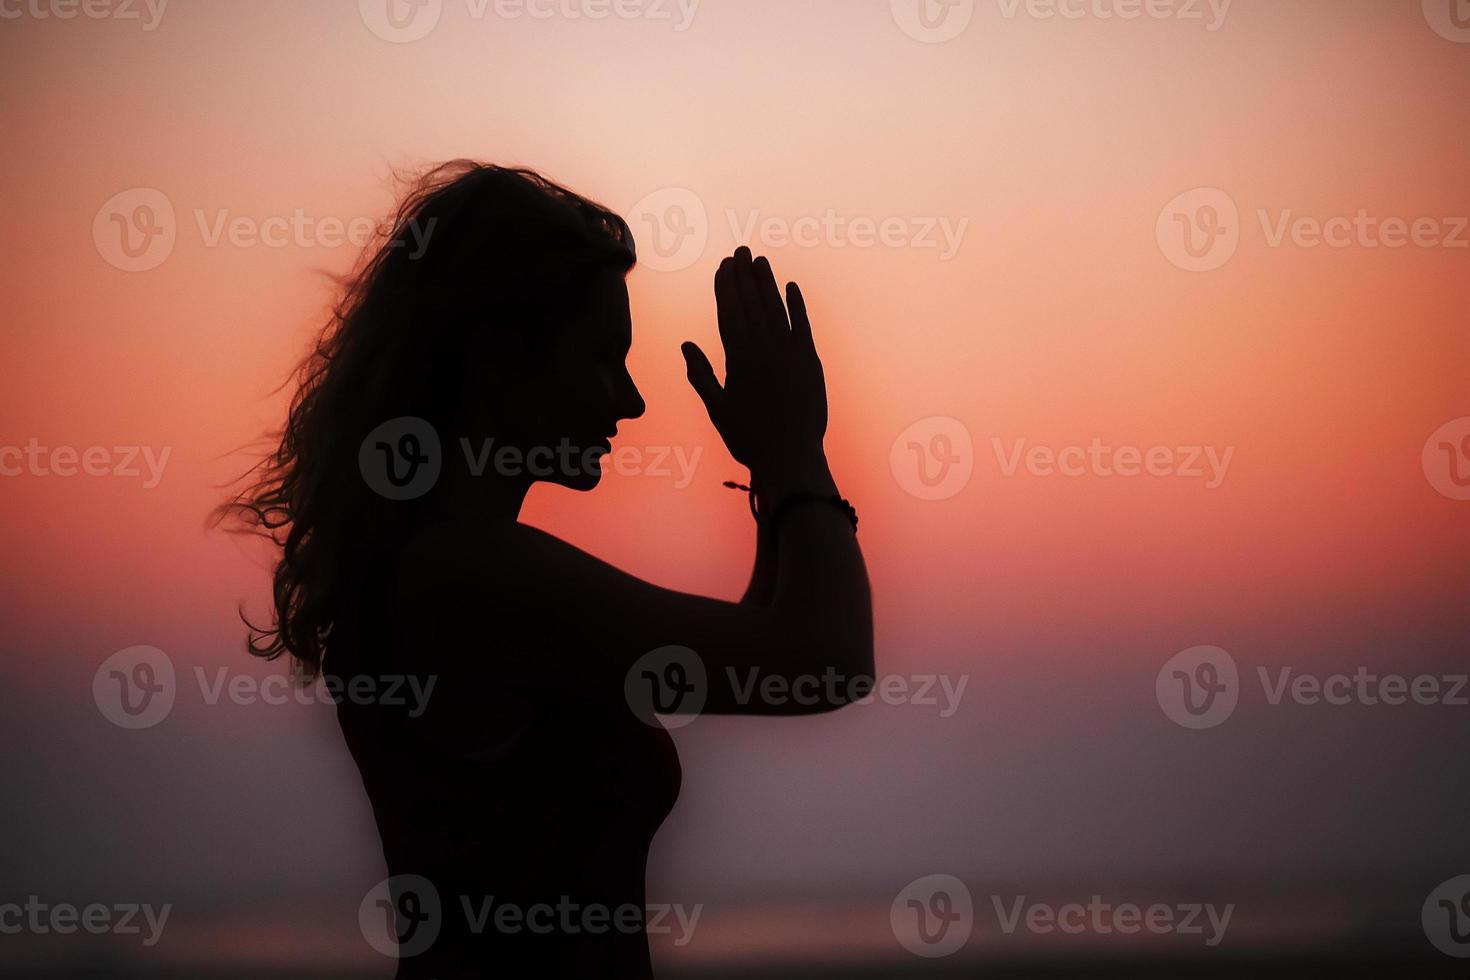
(786, 505)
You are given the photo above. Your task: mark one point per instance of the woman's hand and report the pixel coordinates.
(772, 409)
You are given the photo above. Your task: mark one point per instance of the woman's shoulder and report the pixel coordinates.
(487, 550)
(465, 571)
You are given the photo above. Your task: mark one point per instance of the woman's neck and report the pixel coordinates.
(486, 496)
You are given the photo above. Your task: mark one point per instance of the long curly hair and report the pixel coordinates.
(477, 263)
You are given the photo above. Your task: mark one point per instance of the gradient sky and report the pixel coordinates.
(1055, 144)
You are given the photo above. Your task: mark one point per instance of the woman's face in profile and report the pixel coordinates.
(569, 408)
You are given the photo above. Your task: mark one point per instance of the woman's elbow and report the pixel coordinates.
(844, 674)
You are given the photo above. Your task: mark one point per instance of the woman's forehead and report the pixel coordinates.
(606, 315)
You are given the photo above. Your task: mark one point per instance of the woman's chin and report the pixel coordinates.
(578, 481)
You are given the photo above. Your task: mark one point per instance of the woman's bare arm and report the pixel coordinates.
(517, 606)
(762, 587)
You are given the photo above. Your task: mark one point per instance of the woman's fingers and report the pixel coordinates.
(757, 323)
(730, 311)
(754, 323)
(773, 309)
(702, 377)
(801, 325)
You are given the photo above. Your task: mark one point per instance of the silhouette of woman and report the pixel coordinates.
(517, 801)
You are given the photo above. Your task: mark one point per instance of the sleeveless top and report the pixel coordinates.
(529, 834)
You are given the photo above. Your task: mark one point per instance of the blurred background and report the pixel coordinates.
(1144, 326)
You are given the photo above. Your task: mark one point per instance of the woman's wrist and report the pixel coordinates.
(800, 472)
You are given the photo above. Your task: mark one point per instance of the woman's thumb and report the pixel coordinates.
(701, 375)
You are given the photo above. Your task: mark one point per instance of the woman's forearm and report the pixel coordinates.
(821, 581)
(762, 587)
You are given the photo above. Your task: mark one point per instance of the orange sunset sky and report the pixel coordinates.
(1027, 293)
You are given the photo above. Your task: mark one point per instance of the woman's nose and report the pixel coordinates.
(631, 405)
(628, 398)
